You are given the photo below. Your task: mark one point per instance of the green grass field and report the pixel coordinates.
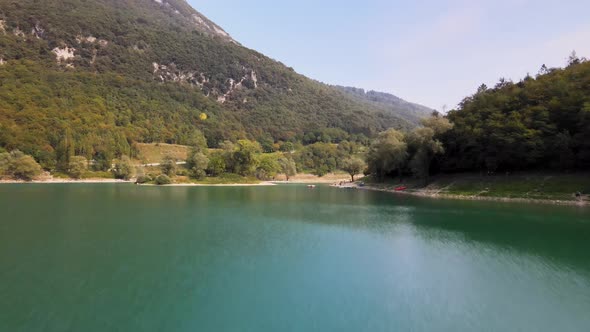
(155, 152)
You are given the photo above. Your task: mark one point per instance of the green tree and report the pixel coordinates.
(288, 167)
(437, 123)
(65, 150)
(425, 146)
(353, 166)
(19, 166)
(216, 164)
(227, 153)
(197, 141)
(197, 163)
(244, 157)
(347, 148)
(267, 144)
(287, 147)
(268, 167)
(4, 163)
(26, 168)
(103, 159)
(123, 168)
(168, 165)
(536, 123)
(319, 158)
(388, 153)
(77, 167)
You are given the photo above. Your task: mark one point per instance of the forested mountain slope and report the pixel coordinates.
(96, 76)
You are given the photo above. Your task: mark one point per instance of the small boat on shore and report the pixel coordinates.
(311, 186)
(401, 188)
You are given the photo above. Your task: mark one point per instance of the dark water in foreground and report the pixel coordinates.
(286, 258)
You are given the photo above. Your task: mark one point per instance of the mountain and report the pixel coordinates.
(389, 103)
(96, 76)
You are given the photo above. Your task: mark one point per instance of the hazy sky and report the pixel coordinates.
(426, 51)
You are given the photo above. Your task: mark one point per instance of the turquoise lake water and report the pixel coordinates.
(112, 257)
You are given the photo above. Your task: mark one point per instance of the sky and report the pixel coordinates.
(430, 52)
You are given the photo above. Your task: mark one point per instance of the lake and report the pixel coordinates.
(118, 257)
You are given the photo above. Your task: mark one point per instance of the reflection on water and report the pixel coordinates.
(123, 257)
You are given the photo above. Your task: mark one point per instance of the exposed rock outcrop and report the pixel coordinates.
(64, 54)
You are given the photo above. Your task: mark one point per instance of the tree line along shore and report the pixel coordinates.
(243, 162)
(540, 124)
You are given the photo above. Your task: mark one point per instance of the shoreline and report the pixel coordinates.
(261, 184)
(115, 181)
(298, 179)
(65, 181)
(348, 185)
(433, 195)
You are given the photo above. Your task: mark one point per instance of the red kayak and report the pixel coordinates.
(401, 188)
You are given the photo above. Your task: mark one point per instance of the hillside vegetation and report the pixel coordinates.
(95, 77)
(540, 124)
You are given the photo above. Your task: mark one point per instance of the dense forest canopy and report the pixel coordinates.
(541, 122)
(100, 75)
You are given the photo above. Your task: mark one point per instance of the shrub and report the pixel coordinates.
(143, 179)
(123, 169)
(163, 180)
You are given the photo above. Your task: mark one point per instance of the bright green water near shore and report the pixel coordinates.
(110, 257)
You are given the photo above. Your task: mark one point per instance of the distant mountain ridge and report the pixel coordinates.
(406, 110)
